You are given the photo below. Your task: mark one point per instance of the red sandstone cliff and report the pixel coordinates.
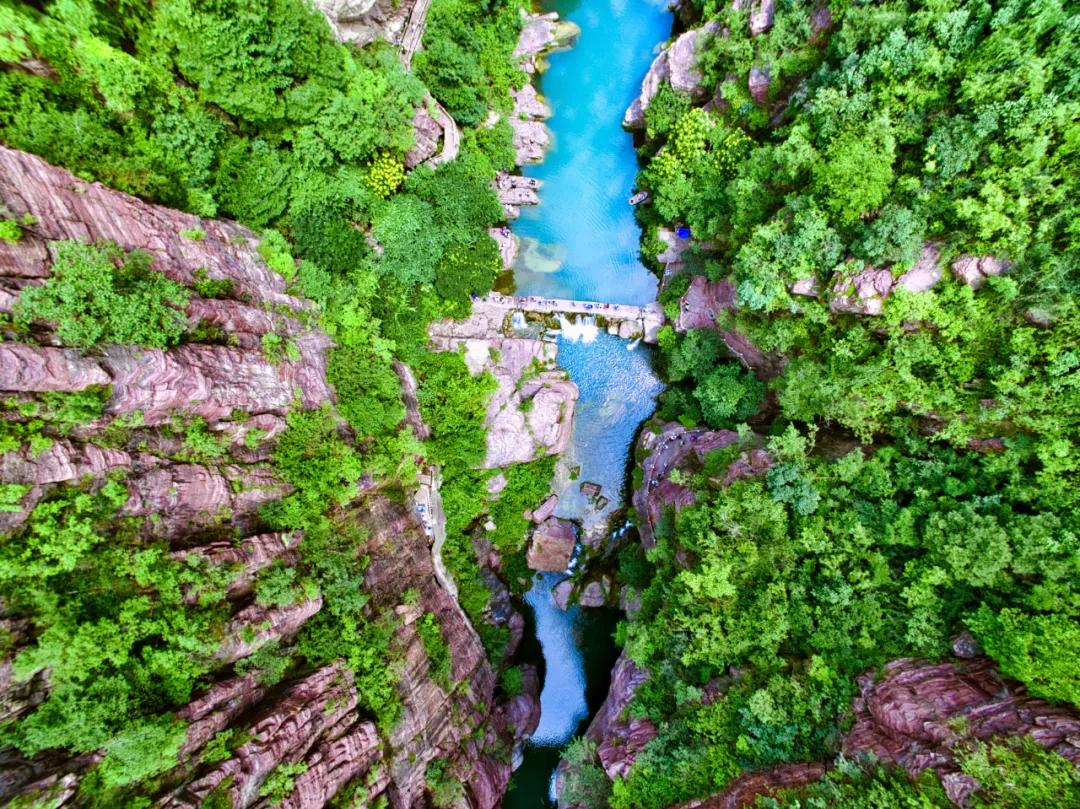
(210, 509)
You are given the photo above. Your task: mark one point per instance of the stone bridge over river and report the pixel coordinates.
(629, 322)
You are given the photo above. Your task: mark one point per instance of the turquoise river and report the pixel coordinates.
(582, 242)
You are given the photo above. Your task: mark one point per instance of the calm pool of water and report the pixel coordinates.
(589, 171)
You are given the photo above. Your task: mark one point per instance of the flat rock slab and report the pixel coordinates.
(552, 546)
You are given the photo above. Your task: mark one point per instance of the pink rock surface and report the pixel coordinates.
(40, 368)
(758, 83)
(247, 557)
(909, 718)
(255, 626)
(61, 462)
(428, 133)
(69, 208)
(863, 292)
(674, 447)
(286, 731)
(545, 509)
(974, 270)
(703, 301)
(677, 65)
(213, 381)
(551, 546)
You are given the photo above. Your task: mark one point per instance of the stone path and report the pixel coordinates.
(411, 39)
(429, 510)
(414, 31)
(451, 137)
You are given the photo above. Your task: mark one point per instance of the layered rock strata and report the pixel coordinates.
(209, 510)
(918, 716)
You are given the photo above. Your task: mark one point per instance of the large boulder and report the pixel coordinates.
(676, 65)
(974, 270)
(551, 546)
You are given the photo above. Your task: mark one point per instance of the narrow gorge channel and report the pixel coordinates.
(582, 243)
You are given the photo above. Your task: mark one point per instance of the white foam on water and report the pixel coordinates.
(582, 328)
(633, 344)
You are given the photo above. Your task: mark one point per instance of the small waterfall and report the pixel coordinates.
(517, 321)
(633, 344)
(581, 329)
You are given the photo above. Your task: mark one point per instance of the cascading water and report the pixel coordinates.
(579, 328)
(582, 243)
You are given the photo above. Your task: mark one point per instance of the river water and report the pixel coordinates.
(582, 243)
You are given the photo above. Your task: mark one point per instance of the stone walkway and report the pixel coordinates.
(414, 31)
(648, 318)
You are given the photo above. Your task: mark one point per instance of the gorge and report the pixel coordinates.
(454, 404)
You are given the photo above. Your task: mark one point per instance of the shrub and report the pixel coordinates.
(100, 294)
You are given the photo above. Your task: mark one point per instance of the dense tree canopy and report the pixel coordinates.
(898, 125)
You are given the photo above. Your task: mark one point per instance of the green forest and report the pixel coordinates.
(924, 476)
(951, 502)
(252, 112)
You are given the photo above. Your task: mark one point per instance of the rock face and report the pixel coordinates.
(212, 382)
(551, 546)
(703, 301)
(540, 33)
(864, 292)
(676, 447)
(743, 792)
(544, 510)
(69, 208)
(531, 412)
(428, 132)
(531, 136)
(618, 737)
(363, 21)
(677, 65)
(910, 718)
(915, 717)
(758, 84)
(208, 510)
